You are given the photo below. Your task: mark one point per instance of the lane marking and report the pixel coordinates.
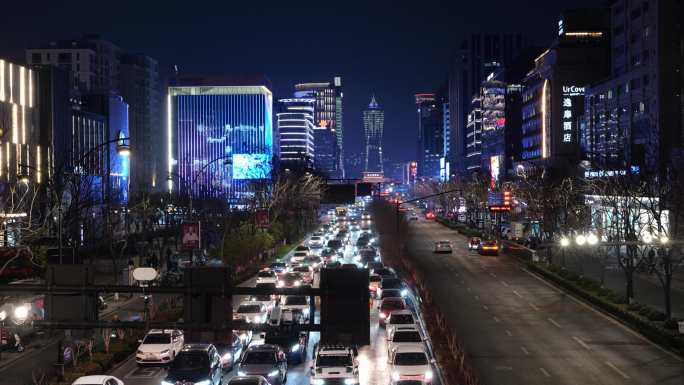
(485, 307)
(554, 322)
(534, 306)
(605, 316)
(525, 351)
(504, 283)
(496, 319)
(579, 341)
(516, 293)
(544, 372)
(509, 333)
(620, 372)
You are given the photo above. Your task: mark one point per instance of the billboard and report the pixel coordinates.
(190, 235)
(251, 166)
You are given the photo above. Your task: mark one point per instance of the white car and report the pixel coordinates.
(159, 346)
(336, 364)
(263, 299)
(401, 336)
(299, 256)
(97, 380)
(410, 363)
(398, 318)
(267, 276)
(316, 242)
(251, 312)
(297, 303)
(443, 247)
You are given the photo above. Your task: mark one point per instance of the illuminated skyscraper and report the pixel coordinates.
(219, 137)
(296, 132)
(373, 122)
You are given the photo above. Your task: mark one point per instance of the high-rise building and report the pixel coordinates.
(478, 56)
(430, 134)
(635, 118)
(325, 152)
(373, 124)
(20, 151)
(553, 95)
(295, 121)
(328, 111)
(219, 136)
(473, 158)
(141, 89)
(493, 148)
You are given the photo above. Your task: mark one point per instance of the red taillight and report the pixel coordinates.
(382, 315)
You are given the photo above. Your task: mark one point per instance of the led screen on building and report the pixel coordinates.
(251, 166)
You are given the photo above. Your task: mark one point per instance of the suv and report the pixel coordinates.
(267, 276)
(410, 363)
(389, 305)
(159, 346)
(335, 364)
(196, 363)
(401, 336)
(292, 342)
(251, 312)
(297, 303)
(265, 360)
(400, 318)
(230, 350)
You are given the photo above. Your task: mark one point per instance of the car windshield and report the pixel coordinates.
(392, 304)
(259, 358)
(300, 254)
(407, 336)
(401, 319)
(265, 274)
(333, 361)
(315, 238)
(292, 276)
(278, 265)
(391, 283)
(249, 309)
(157, 338)
(301, 269)
(334, 243)
(389, 293)
(383, 272)
(295, 300)
(261, 297)
(244, 381)
(410, 359)
(191, 361)
(374, 278)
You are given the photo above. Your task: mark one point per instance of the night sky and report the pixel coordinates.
(391, 49)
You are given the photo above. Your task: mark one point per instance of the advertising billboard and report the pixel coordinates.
(190, 235)
(251, 166)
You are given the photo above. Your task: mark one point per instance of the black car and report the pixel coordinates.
(335, 244)
(230, 351)
(362, 241)
(367, 256)
(384, 272)
(253, 380)
(196, 363)
(293, 344)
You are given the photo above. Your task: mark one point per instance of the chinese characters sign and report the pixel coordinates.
(572, 100)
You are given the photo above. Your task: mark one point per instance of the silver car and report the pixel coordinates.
(269, 361)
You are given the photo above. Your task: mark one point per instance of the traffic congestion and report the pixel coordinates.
(399, 352)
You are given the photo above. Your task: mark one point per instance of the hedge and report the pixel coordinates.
(642, 318)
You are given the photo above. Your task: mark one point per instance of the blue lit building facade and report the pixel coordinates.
(219, 139)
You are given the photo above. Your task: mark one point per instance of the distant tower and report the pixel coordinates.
(373, 122)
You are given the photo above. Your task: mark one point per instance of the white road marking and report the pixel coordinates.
(504, 283)
(509, 333)
(555, 323)
(496, 319)
(525, 351)
(620, 372)
(485, 307)
(544, 372)
(516, 293)
(534, 306)
(579, 341)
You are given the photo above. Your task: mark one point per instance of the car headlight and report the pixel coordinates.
(317, 381)
(281, 284)
(428, 375)
(295, 348)
(140, 352)
(227, 357)
(297, 283)
(243, 336)
(404, 293)
(305, 311)
(21, 312)
(274, 373)
(350, 381)
(164, 352)
(241, 373)
(395, 376)
(204, 382)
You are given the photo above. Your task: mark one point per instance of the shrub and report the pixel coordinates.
(89, 368)
(573, 276)
(656, 315)
(120, 356)
(634, 306)
(645, 311)
(672, 324)
(603, 292)
(104, 360)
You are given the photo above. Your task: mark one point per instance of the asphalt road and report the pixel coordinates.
(518, 329)
(373, 368)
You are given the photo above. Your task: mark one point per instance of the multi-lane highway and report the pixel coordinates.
(518, 329)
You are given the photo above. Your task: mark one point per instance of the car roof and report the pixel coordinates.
(97, 379)
(247, 378)
(196, 347)
(400, 312)
(263, 348)
(334, 350)
(249, 303)
(406, 328)
(411, 348)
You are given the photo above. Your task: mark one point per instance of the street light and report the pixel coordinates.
(664, 239)
(123, 150)
(580, 240)
(564, 242)
(23, 178)
(592, 239)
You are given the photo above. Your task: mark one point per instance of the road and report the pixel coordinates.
(518, 329)
(373, 369)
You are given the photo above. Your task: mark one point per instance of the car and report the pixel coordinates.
(159, 346)
(302, 248)
(413, 217)
(335, 244)
(368, 255)
(443, 247)
(306, 273)
(385, 272)
(278, 267)
(263, 299)
(292, 342)
(389, 305)
(333, 264)
(268, 286)
(231, 350)
(297, 303)
(390, 283)
(474, 243)
(349, 266)
(290, 279)
(488, 248)
(388, 293)
(318, 233)
(299, 256)
(373, 283)
(266, 276)
(248, 380)
(429, 215)
(328, 254)
(314, 261)
(335, 364)
(265, 360)
(366, 216)
(196, 364)
(410, 363)
(251, 312)
(97, 380)
(316, 242)
(398, 318)
(401, 336)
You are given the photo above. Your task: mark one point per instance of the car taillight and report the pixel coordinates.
(382, 315)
